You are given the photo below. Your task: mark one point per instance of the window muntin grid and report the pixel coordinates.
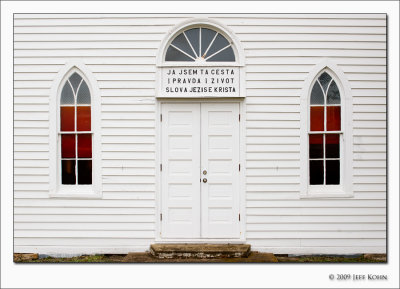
(200, 45)
(75, 134)
(325, 135)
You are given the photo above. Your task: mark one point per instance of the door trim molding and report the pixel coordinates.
(196, 241)
(242, 173)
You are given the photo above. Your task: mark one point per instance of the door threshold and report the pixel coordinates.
(200, 250)
(200, 241)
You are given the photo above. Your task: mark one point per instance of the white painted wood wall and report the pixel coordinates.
(121, 52)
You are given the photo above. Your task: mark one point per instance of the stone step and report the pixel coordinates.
(201, 251)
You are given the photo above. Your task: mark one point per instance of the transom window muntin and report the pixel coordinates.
(200, 45)
(325, 132)
(75, 132)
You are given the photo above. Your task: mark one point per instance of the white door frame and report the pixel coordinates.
(242, 173)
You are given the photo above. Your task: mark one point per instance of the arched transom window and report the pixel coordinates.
(75, 132)
(325, 132)
(200, 45)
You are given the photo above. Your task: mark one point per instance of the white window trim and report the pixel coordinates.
(345, 189)
(56, 189)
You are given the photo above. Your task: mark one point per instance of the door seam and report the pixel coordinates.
(201, 186)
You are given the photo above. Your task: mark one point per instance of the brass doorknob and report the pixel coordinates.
(204, 180)
(204, 172)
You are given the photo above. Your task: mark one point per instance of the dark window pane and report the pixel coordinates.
(207, 35)
(324, 79)
(194, 38)
(333, 118)
(332, 146)
(68, 146)
(316, 172)
(226, 55)
(68, 172)
(317, 96)
(332, 172)
(67, 118)
(67, 96)
(83, 118)
(316, 146)
(219, 43)
(333, 94)
(181, 42)
(175, 55)
(84, 146)
(317, 118)
(84, 172)
(75, 79)
(83, 94)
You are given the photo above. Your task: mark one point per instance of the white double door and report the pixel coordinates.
(200, 170)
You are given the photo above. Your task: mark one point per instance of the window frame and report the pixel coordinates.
(345, 188)
(76, 187)
(204, 23)
(315, 189)
(196, 61)
(57, 189)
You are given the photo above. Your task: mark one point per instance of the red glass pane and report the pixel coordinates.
(68, 146)
(317, 118)
(67, 118)
(332, 146)
(84, 146)
(68, 172)
(83, 121)
(316, 147)
(333, 118)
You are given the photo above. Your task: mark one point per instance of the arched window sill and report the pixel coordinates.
(76, 195)
(326, 191)
(330, 195)
(81, 192)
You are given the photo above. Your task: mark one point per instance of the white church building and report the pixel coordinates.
(260, 129)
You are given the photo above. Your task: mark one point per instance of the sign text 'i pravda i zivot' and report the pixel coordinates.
(200, 82)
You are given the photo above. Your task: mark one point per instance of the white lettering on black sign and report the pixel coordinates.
(200, 82)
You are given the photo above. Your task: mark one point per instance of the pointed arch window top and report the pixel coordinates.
(325, 90)
(75, 91)
(200, 45)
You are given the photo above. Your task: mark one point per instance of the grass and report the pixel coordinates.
(330, 259)
(81, 259)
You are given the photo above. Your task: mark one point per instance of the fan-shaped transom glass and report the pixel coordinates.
(200, 45)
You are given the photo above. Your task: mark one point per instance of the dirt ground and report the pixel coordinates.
(254, 257)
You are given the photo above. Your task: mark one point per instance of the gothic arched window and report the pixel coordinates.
(325, 132)
(75, 133)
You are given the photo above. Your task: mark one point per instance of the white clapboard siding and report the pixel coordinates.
(121, 50)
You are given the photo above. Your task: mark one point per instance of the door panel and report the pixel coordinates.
(220, 158)
(180, 186)
(197, 138)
